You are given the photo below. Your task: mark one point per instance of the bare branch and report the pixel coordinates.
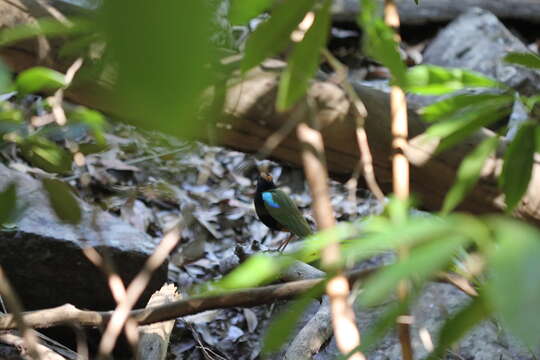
(134, 291)
(44, 353)
(67, 313)
(400, 171)
(337, 288)
(366, 160)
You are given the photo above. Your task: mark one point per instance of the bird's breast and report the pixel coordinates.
(264, 215)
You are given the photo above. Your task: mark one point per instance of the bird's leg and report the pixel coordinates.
(284, 243)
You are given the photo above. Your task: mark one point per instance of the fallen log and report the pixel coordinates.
(250, 118)
(431, 175)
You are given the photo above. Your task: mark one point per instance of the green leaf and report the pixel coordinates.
(46, 26)
(468, 173)
(39, 79)
(255, 271)
(513, 287)
(314, 244)
(8, 202)
(282, 326)
(447, 107)
(11, 117)
(80, 45)
(531, 101)
(461, 124)
(46, 155)
(460, 324)
(422, 263)
(273, 36)
(92, 148)
(93, 119)
(390, 237)
(5, 78)
(241, 11)
(304, 60)
(517, 167)
(537, 139)
(398, 210)
(62, 201)
(529, 59)
(379, 41)
(436, 80)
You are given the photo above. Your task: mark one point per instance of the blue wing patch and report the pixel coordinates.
(267, 197)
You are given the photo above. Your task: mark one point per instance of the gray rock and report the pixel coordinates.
(486, 342)
(433, 11)
(478, 41)
(42, 256)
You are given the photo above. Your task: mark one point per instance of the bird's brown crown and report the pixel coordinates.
(266, 176)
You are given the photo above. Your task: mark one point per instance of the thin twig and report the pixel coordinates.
(55, 13)
(134, 161)
(60, 348)
(207, 352)
(116, 285)
(17, 6)
(155, 156)
(67, 314)
(343, 319)
(400, 170)
(82, 343)
(44, 352)
(277, 137)
(366, 160)
(135, 290)
(2, 305)
(58, 98)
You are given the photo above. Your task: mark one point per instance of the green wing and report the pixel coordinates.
(285, 211)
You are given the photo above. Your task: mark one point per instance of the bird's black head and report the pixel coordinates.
(265, 182)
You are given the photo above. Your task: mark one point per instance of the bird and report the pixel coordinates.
(277, 210)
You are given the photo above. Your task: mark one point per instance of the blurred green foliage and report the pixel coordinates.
(242, 11)
(379, 41)
(304, 60)
(164, 58)
(39, 79)
(273, 36)
(529, 60)
(63, 201)
(8, 202)
(468, 173)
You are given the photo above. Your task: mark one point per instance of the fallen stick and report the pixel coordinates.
(239, 298)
